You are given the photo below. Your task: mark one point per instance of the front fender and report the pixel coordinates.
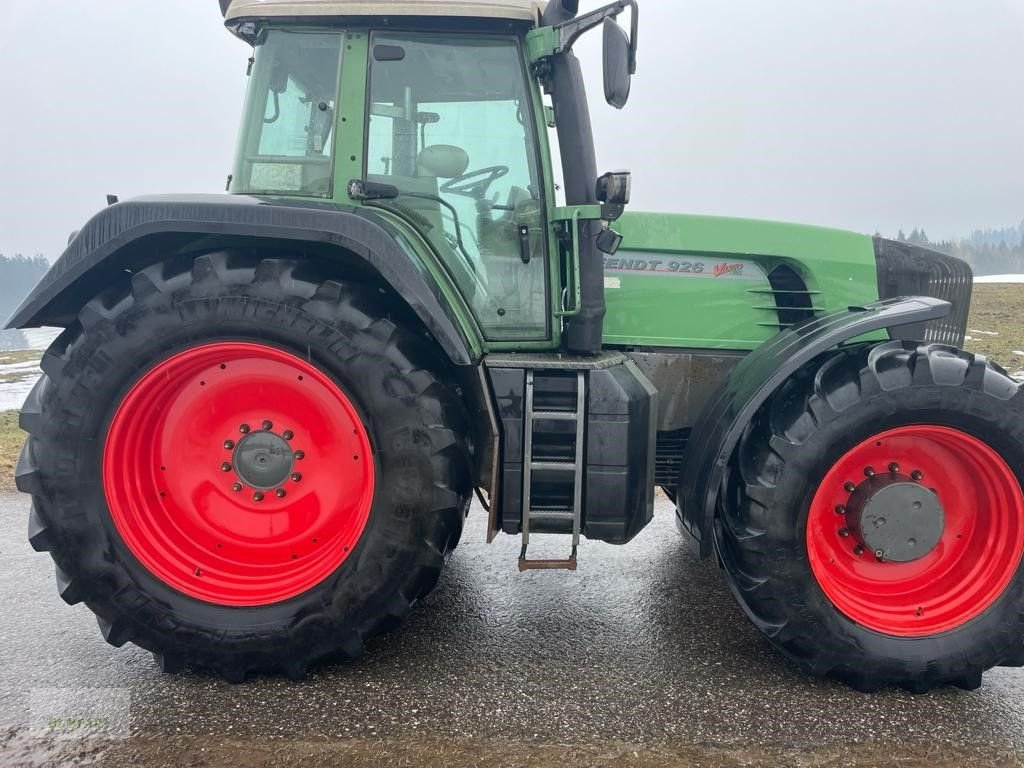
(116, 239)
(756, 379)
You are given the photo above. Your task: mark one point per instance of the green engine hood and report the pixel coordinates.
(711, 282)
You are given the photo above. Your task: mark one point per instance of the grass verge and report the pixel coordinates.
(11, 438)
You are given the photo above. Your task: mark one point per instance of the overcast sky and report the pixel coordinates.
(863, 114)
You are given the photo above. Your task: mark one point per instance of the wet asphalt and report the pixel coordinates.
(641, 657)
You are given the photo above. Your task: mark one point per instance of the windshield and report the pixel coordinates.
(287, 132)
(451, 127)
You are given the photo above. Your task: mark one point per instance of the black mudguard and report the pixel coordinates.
(120, 237)
(754, 380)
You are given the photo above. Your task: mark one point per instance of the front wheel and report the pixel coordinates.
(872, 521)
(240, 466)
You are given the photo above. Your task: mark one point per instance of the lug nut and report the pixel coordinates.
(844, 532)
(237, 487)
(917, 475)
(869, 472)
(300, 455)
(894, 468)
(244, 429)
(880, 555)
(296, 477)
(850, 487)
(840, 509)
(859, 549)
(258, 496)
(281, 493)
(229, 444)
(287, 434)
(268, 425)
(225, 467)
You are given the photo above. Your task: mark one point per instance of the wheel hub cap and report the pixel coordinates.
(263, 460)
(897, 519)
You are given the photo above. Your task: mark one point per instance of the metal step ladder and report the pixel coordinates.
(575, 466)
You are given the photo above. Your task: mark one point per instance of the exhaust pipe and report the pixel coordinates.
(585, 331)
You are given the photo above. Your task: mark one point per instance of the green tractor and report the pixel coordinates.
(259, 434)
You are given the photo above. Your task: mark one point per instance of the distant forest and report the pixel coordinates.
(988, 251)
(18, 276)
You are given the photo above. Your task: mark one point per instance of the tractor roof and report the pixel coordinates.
(517, 10)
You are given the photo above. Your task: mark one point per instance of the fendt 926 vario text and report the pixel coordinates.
(257, 438)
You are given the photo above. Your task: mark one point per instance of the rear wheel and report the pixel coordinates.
(872, 522)
(241, 467)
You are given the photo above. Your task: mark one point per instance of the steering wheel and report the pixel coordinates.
(472, 185)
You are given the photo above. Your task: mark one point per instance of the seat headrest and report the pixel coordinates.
(443, 161)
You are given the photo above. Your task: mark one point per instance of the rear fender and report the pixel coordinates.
(755, 380)
(122, 237)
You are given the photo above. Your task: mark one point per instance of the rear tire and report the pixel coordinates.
(385, 556)
(852, 615)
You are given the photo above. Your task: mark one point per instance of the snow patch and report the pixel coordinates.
(41, 338)
(989, 279)
(13, 394)
(998, 279)
(20, 378)
(30, 365)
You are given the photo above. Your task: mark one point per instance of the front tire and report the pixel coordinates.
(934, 438)
(240, 466)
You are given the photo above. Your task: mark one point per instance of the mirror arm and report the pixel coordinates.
(571, 31)
(634, 36)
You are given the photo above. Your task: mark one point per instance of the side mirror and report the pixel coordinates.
(618, 56)
(613, 192)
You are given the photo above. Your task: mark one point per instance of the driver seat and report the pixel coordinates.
(436, 162)
(442, 161)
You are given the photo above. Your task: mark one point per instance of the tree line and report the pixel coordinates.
(988, 251)
(18, 276)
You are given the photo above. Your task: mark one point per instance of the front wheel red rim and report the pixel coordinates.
(980, 542)
(238, 473)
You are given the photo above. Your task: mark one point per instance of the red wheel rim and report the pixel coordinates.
(977, 555)
(238, 474)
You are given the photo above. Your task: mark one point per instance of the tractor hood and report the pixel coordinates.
(727, 283)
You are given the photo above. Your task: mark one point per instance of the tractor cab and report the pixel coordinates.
(435, 116)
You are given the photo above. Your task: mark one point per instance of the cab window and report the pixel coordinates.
(288, 124)
(450, 125)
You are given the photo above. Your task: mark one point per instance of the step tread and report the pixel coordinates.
(558, 466)
(555, 415)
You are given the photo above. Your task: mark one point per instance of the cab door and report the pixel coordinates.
(451, 125)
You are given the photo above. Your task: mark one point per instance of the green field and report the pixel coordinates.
(998, 309)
